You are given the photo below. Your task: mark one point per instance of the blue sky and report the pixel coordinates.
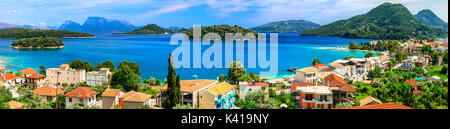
(185, 13)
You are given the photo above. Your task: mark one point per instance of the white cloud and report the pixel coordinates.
(167, 9)
(11, 11)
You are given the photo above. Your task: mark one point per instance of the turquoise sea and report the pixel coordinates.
(151, 53)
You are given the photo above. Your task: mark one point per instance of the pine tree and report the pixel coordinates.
(173, 86)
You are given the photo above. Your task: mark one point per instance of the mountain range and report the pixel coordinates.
(427, 17)
(290, 26)
(99, 25)
(386, 21)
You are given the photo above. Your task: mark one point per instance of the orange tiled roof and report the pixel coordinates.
(319, 65)
(412, 82)
(347, 87)
(297, 84)
(15, 105)
(135, 96)
(257, 84)
(36, 76)
(28, 71)
(379, 106)
(326, 70)
(193, 85)
(416, 92)
(335, 64)
(81, 92)
(8, 76)
(47, 91)
(111, 92)
(334, 80)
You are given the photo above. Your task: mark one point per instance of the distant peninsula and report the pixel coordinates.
(387, 21)
(146, 30)
(221, 30)
(17, 33)
(290, 26)
(38, 43)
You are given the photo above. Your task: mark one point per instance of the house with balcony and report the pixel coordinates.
(342, 92)
(219, 96)
(81, 95)
(190, 91)
(98, 77)
(308, 74)
(35, 80)
(315, 97)
(10, 80)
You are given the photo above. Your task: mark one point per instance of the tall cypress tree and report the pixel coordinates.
(173, 89)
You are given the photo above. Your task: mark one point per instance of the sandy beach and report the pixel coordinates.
(344, 48)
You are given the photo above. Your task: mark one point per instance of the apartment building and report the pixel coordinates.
(98, 77)
(64, 74)
(308, 74)
(219, 96)
(190, 91)
(314, 97)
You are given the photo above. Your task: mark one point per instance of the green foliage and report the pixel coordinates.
(427, 17)
(5, 97)
(125, 78)
(343, 105)
(387, 21)
(222, 78)
(173, 86)
(149, 29)
(136, 69)
(17, 33)
(220, 30)
(181, 106)
(255, 97)
(418, 70)
(42, 70)
(235, 72)
(106, 64)
(243, 104)
(39, 42)
(290, 26)
(271, 104)
(316, 62)
(31, 100)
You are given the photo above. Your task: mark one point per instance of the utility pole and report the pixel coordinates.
(57, 84)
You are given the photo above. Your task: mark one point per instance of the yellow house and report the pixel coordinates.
(219, 96)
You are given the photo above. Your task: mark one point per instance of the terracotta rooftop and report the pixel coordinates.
(28, 71)
(368, 100)
(81, 92)
(257, 84)
(191, 86)
(326, 70)
(335, 64)
(15, 105)
(320, 65)
(36, 76)
(412, 82)
(135, 96)
(379, 106)
(111, 92)
(8, 76)
(47, 91)
(417, 92)
(308, 69)
(335, 80)
(348, 88)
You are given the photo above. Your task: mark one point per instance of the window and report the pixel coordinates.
(308, 97)
(70, 99)
(81, 100)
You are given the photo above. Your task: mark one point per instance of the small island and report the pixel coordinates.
(17, 33)
(38, 43)
(149, 29)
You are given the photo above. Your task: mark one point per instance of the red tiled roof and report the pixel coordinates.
(36, 76)
(379, 106)
(297, 84)
(81, 92)
(28, 71)
(258, 84)
(326, 70)
(347, 88)
(412, 82)
(8, 76)
(47, 91)
(319, 65)
(334, 80)
(416, 92)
